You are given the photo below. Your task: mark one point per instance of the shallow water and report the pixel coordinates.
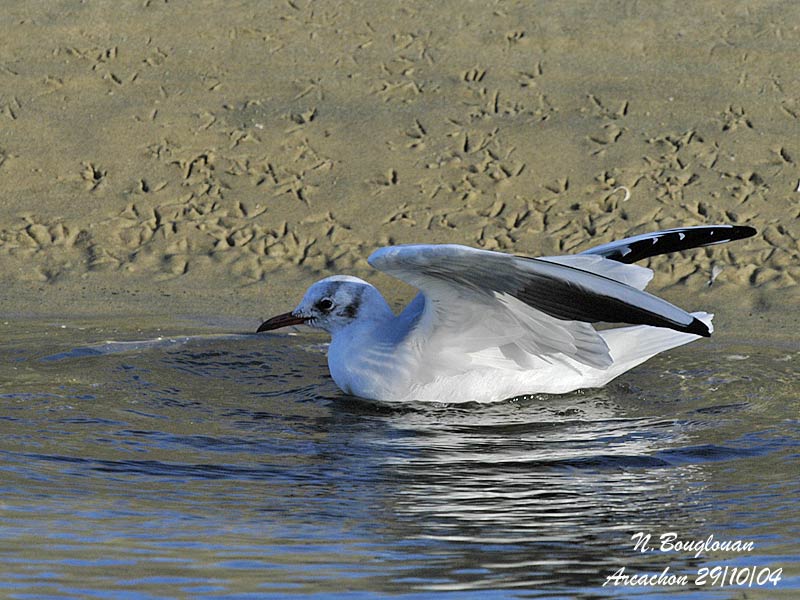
(230, 466)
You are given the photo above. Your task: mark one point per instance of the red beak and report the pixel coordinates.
(283, 320)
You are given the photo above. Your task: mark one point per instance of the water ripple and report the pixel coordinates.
(203, 464)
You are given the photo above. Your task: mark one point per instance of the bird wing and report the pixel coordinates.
(490, 304)
(633, 275)
(643, 246)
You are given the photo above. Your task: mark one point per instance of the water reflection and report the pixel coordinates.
(530, 492)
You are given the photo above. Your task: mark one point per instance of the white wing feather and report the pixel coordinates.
(487, 309)
(459, 330)
(633, 275)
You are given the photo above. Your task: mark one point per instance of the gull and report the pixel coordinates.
(488, 326)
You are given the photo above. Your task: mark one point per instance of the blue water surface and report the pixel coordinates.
(176, 465)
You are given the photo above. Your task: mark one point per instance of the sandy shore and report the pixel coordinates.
(215, 158)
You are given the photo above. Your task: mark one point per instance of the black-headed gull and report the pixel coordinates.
(488, 326)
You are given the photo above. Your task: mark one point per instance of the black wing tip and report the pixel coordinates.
(639, 247)
(697, 327)
(740, 232)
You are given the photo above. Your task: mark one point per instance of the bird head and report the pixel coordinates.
(332, 304)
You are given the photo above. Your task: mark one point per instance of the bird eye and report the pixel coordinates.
(325, 304)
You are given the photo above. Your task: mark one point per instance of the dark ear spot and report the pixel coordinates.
(351, 310)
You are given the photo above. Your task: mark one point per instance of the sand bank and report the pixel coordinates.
(215, 158)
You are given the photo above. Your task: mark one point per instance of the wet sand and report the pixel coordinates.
(215, 158)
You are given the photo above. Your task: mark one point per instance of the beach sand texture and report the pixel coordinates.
(217, 157)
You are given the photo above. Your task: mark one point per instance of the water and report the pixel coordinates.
(231, 467)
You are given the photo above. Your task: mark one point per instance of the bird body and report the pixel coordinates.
(488, 326)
